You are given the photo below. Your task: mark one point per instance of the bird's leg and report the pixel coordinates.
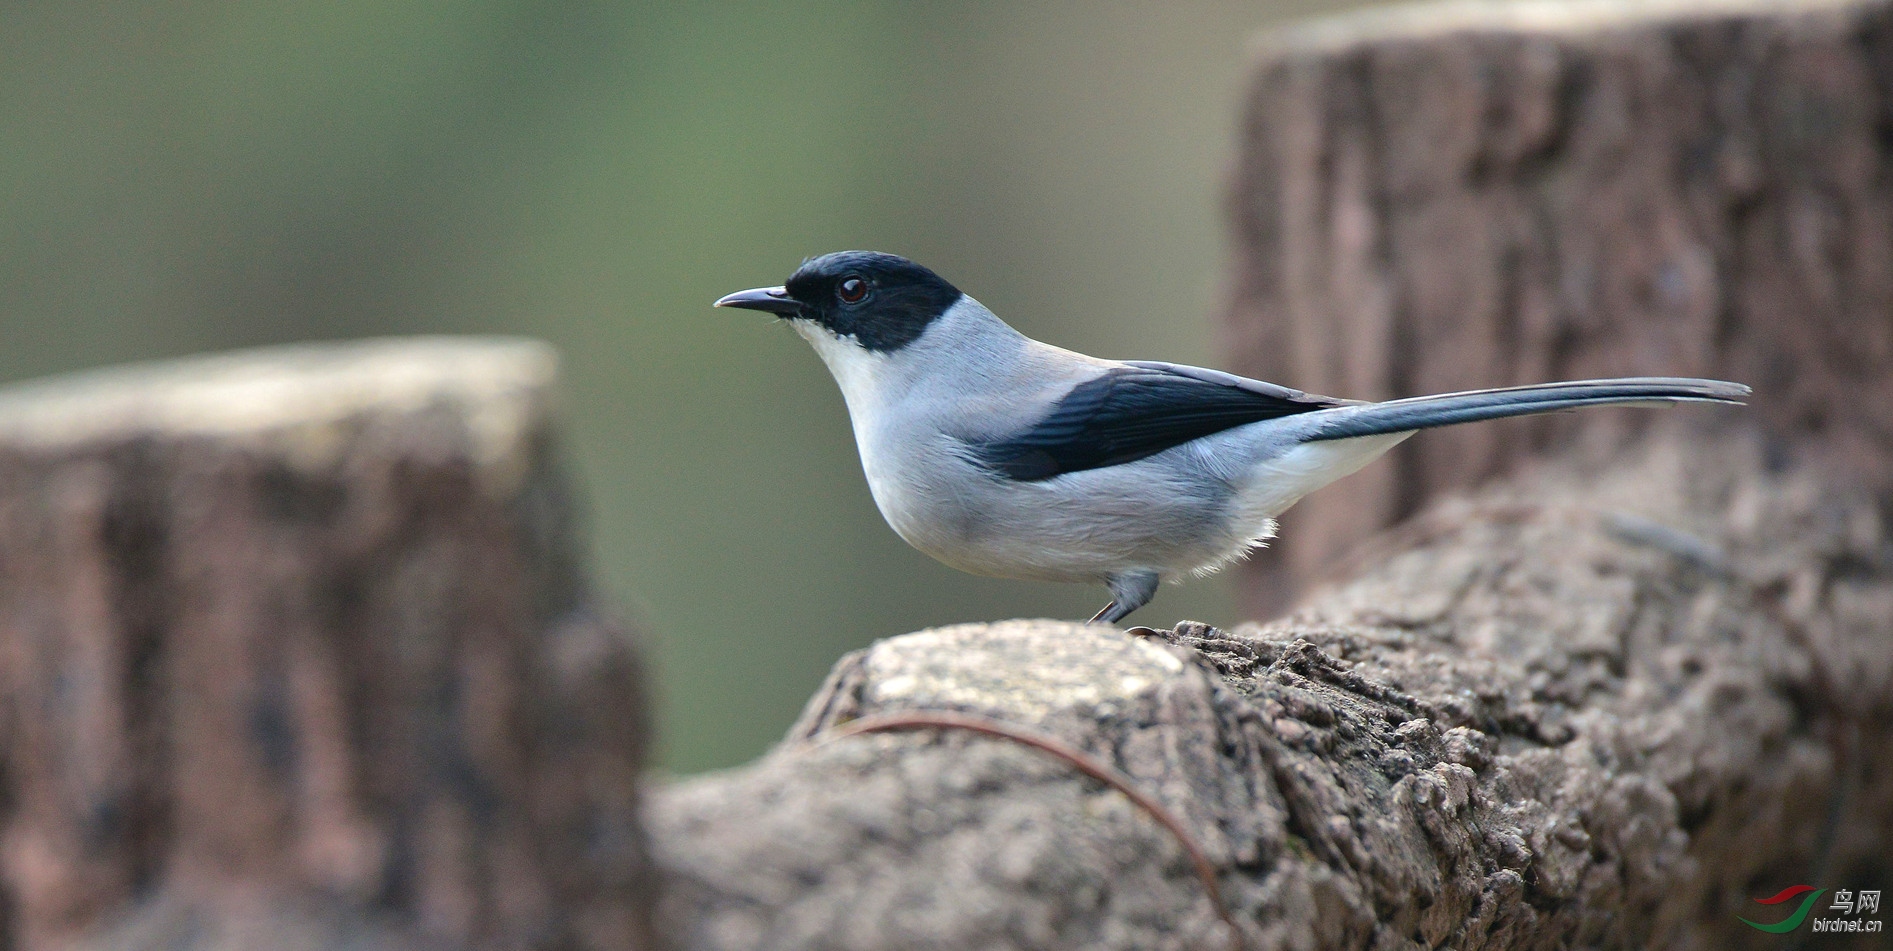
(1130, 590)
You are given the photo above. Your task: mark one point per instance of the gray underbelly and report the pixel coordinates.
(1081, 526)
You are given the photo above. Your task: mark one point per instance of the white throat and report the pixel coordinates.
(860, 373)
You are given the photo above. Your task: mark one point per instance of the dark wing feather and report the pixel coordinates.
(1134, 411)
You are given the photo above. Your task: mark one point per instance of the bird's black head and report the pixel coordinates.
(881, 300)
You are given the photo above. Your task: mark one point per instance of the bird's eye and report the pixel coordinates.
(852, 290)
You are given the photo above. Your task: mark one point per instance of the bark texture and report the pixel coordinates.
(1604, 706)
(1452, 196)
(295, 651)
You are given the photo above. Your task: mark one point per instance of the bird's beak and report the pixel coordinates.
(775, 300)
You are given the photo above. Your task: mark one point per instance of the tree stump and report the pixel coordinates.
(1462, 195)
(1606, 701)
(296, 652)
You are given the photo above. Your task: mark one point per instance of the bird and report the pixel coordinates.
(1003, 456)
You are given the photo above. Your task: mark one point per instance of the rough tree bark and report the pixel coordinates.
(1604, 706)
(1481, 194)
(295, 652)
(1604, 703)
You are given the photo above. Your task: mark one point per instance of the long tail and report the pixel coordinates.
(1423, 412)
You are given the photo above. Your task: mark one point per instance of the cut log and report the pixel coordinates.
(1589, 709)
(296, 651)
(1452, 196)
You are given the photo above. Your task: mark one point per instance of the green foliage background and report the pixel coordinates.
(185, 175)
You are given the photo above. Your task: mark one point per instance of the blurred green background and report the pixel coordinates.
(186, 175)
